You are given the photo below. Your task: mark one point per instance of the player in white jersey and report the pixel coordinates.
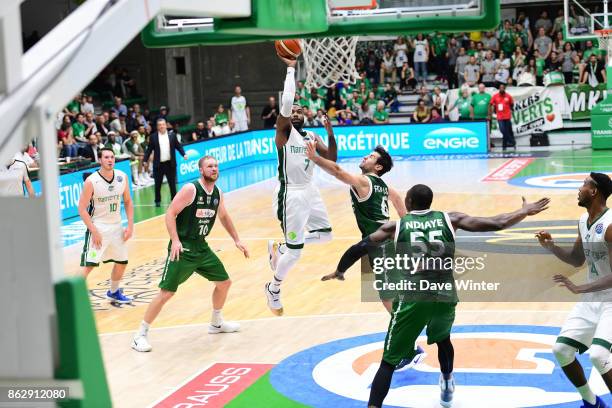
(297, 202)
(100, 210)
(13, 178)
(589, 325)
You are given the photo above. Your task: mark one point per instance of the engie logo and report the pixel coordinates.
(511, 365)
(564, 180)
(191, 164)
(451, 138)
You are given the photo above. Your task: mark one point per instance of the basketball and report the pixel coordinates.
(288, 48)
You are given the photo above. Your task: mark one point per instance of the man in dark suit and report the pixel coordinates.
(91, 150)
(163, 143)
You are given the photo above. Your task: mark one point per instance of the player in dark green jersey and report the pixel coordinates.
(189, 219)
(370, 196)
(426, 234)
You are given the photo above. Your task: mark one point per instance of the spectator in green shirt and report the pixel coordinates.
(439, 47)
(79, 128)
(540, 64)
(506, 38)
(463, 103)
(315, 102)
(221, 121)
(479, 105)
(74, 107)
(381, 115)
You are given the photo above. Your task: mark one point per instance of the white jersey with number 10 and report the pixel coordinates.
(105, 206)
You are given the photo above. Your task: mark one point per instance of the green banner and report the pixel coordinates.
(582, 98)
(601, 124)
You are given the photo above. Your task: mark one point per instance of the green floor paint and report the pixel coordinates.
(144, 203)
(570, 161)
(262, 395)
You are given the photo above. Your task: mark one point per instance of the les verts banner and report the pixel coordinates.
(538, 110)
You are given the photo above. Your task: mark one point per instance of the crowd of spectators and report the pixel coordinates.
(519, 53)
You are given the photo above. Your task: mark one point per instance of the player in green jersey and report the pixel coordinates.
(370, 196)
(189, 219)
(426, 234)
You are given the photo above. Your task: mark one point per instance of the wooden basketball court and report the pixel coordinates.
(315, 312)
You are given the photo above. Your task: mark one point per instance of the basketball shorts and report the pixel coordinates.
(113, 249)
(408, 321)
(588, 323)
(196, 257)
(300, 210)
(241, 126)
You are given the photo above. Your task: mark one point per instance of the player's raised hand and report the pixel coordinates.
(537, 207)
(333, 275)
(96, 239)
(128, 232)
(311, 149)
(327, 124)
(545, 239)
(175, 250)
(289, 61)
(243, 248)
(565, 281)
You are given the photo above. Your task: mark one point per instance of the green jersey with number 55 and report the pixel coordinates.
(197, 219)
(371, 211)
(427, 237)
(105, 205)
(294, 167)
(426, 233)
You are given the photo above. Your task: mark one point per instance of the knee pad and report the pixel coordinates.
(564, 354)
(600, 357)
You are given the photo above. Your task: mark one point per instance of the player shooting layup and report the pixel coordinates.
(589, 325)
(298, 203)
(100, 210)
(190, 218)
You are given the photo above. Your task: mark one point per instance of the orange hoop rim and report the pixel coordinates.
(603, 33)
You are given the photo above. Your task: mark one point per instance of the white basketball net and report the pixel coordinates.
(603, 37)
(329, 61)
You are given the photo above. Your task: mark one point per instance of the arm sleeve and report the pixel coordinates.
(353, 254)
(288, 93)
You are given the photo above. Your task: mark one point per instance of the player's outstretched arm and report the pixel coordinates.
(129, 211)
(84, 202)
(227, 223)
(329, 152)
(182, 199)
(283, 121)
(356, 180)
(573, 256)
(398, 202)
(355, 252)
(500, 221)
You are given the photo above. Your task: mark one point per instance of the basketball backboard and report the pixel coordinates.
(325, 18)
(581, 18)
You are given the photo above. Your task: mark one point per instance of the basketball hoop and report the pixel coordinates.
(603, 37)
(329, 61)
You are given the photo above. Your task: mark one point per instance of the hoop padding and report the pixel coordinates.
(329, 61)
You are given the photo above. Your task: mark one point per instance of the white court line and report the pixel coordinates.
(336, 315)
(561, 165)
